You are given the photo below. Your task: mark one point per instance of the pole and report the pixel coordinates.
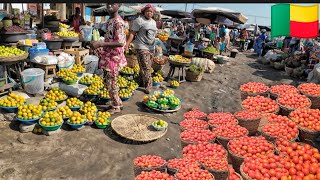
(186, 7)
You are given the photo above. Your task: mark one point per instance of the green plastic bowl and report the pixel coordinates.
(50, 128)
(70, 82)
(102, 126)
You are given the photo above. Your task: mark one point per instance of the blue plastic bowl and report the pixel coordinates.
(156, 84)
(75, 108)
(29, 121)
(10, 109)
(77, 126)
(79, 74)
(125, 99)
(66, 119)
(104, 99)
(53, 109)
(60, 101)
(91, 96)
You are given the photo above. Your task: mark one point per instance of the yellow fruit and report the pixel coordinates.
(56, 94)
(51, 119)
(74, 102)
(104, 93)
(127, 70)
(48, 104)
(88, 107)
(78, 68)
(64, 111)
(76, 118)
(13, 100)
(10, 51)
(29, 111)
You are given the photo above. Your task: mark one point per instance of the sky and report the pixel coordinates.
(256, 13)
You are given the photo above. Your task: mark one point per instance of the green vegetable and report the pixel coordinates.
(210, 49)
(195, 69)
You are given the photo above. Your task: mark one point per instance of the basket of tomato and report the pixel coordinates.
(218, 167)
(225, 133)
(248, 119)
(312, 91)
(194, 136)
(273, 131)
(149, 163)
(292, 101)
(174, 165)
(217, 119)
(193, 123)
(253, 89)
(277, 90)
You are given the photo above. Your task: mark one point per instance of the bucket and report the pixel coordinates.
(91, 63)
(33, 80)
(188, 49)
(87, 33)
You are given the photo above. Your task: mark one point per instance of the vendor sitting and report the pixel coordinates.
(204, 42)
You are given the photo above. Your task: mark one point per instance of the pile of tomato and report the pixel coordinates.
(294, 101)
(230, 131)
(273, 118)
(215, 163)
(193, 174)
(310, 89)
(154, 175)
(247, 115)
(233, 175)
(149, 161)
(250, 146)
(197, 135)
(254, 87)
(288, 130)
(283, 89)
(260, 104)
(203, 149)
(308, 118)
(194, 123)
(182, 163)
(221, 118)
(195, 113)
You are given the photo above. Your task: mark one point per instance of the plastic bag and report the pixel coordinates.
(65, 61)
(75, 90)
(314, 75)
(161, 44)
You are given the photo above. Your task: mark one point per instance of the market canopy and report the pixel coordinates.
(176, 14)
(138, 8)
(123, 11)
(220, 15)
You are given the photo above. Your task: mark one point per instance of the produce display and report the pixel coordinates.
(273, 118)
(288, 130)
(180, 59)
(160, 124)
(195, 69)
(210, 49)
(294, 101)
(13, 100)
(233, 175)
(163, 36)
(74, 102)
(194, 123)
(14, 29)
(10, 51)
(88, 107)
(157, 79)
(68, 34)
(56, 94)
(64, 112)
(154, 175)
(168, 93)
(260, 104)
(86, 79)
(149, 161)
(161, 101)
(174, 83)
(104, 93)
(247, 115)
(94, 88)
(103, 118)
(203, 149)
(182, 163)
(63, 25)
(197, 135)
(221, 118)
(51, 119)
(250, 146)
(70, 77)
(283, 89)
(136, 69)
(29, 111)
(195, 113)
(78, 68)
(230, 131)
(307, 118)
(77, 118)
(122, 82)
(63, 72)
(194, 174)
(91, 116)
(125, 93)
(310, 89)
(127, 70)
(215, 163)
(132, 86)
(48, 104)
(254, 87)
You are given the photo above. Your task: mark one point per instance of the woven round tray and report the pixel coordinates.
(285, 111)
(136, 127)
(164, 111)
(14, 58)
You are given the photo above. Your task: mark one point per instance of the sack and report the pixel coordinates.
(314, 75)
(207, 64)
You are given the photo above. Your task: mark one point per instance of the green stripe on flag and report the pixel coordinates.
(280, 20)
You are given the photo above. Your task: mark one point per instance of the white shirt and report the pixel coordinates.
(227, 31)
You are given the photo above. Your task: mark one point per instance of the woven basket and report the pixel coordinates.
(236, 160)
(244, 175)
(172, 171)
(273, 96)
(132, 60)
(288, 70)
(190, 76)
(224, 140)
(14, 58)
(244, 95)
(183, 129)
(218, 174)
(273, 139)
(213, 126)
(157, 67)
(138, 169)
(285, 111)
(315, 100)
(306, 134)
(175, 177)
(251, 125)
(185, 143)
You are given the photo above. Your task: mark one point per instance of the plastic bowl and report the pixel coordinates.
(66, 119)
(75, 108)
(60, 101)
(70, 82)
(52, 109)
(80, 74)
(77, 126)
(174, 87)
(29, 121)
(85, 84)
(156, 84)
(104, 99)
(125, 99)
(91, 96)
(102, 126)
(159, 128)
(50, 128)
(10, 109)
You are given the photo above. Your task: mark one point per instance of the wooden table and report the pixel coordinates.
(47, 68)
(70, 45)
(78, 53)
(181, 72)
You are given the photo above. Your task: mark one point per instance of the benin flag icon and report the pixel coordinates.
(294, 20)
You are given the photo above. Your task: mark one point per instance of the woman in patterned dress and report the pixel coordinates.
(111, 53)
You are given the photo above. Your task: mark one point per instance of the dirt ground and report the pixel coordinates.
(100, 154)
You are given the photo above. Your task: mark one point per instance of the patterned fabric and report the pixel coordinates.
(145, 63)
(110, 77)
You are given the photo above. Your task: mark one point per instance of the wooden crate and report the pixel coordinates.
(49, 69)
(71, 45)
(78, 54)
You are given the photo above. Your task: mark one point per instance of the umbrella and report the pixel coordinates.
(123, 11)
(187, 20)
(220, 15)
(176, 14)
(138, 8)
